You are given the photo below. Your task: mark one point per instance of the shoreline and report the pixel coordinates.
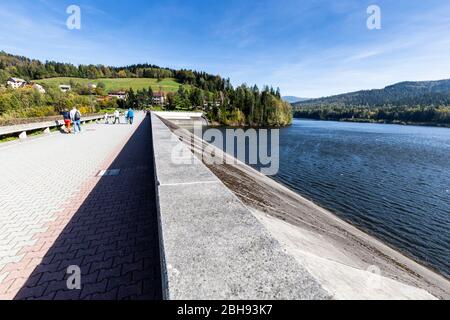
(340, 255)
(344, 242)
(399, 123)
(365, 230)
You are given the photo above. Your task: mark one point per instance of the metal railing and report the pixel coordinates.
(22, 129)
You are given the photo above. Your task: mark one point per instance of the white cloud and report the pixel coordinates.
(418, 50)
(307, 62)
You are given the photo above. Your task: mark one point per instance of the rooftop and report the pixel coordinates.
(16, 80)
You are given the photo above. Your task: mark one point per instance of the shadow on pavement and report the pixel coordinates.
(113, 237)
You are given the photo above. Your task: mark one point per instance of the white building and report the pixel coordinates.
(158, 98)
(15, 83)
(65, 88)
(38, 87)
(121, 95)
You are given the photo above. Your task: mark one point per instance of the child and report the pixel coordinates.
(67, 121)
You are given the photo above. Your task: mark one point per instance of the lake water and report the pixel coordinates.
(391, 181)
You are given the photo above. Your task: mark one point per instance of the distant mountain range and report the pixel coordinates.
(292, 99)
(419, 93)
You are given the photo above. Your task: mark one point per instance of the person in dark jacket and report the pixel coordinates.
(67, 120)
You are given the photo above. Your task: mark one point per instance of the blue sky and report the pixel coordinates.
(307, 48)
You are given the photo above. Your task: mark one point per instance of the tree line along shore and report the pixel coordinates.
(412, 102)
(425, 116)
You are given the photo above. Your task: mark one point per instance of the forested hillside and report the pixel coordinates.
(409, 102)
(197, 91)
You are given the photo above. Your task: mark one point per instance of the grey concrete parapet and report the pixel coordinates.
(183, 118)
(212, 247)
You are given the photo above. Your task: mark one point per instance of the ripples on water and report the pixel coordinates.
(392, 181)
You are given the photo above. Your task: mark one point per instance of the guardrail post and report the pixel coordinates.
(47, 131)
(23, 135)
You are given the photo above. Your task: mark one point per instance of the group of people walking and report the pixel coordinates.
(72, 118)
(129, 116)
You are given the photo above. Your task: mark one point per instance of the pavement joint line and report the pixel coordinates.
(3, 276)
(187, 183)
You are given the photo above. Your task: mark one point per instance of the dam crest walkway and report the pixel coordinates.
(61, 207)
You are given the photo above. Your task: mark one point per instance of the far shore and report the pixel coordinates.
(400, 123)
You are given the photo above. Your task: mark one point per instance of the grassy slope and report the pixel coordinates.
(167, 85)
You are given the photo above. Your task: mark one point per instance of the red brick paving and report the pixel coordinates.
(108, 229)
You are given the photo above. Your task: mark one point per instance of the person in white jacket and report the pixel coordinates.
(116, 117)
(75, 116)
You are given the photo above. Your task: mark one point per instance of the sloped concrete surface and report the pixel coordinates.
(335, 273)
(348, 263)
(212, 245)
